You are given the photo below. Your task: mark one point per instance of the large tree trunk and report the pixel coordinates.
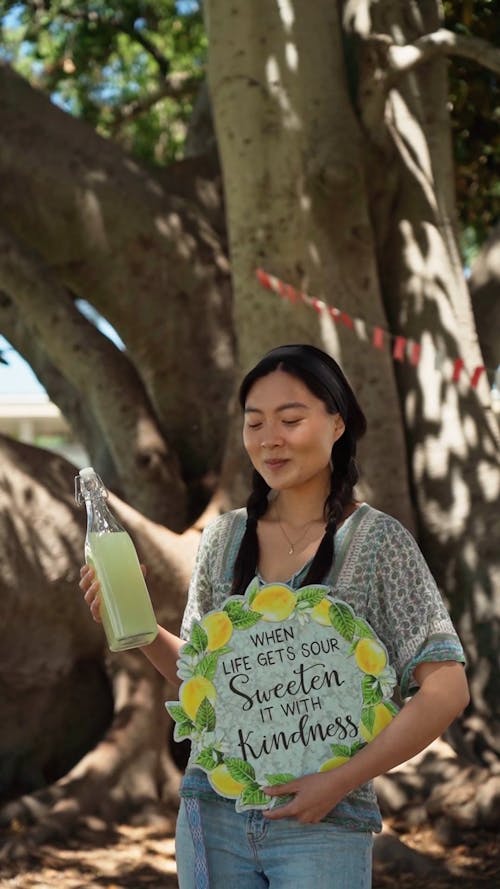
(293, 168)
(353, 202)
(452, 435)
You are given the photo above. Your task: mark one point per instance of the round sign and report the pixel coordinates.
(277, 684)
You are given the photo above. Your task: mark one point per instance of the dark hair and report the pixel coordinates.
(325, 379)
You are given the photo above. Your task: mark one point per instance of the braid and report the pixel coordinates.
(344, 477)
(247, 559)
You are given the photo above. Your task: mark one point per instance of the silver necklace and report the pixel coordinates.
(292, 544)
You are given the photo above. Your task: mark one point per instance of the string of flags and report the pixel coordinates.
(403, 348)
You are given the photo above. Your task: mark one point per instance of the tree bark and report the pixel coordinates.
(484, 286)
(452, 435)
(149, 471)
(147, 260)
(88, 723)
(292, 159)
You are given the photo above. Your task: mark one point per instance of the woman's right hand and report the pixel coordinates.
(90, 587)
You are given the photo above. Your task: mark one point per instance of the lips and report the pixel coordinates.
(275, 464)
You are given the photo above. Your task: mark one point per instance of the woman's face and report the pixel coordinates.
(288, 432)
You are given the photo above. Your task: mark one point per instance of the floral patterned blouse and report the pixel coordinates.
(381, 573)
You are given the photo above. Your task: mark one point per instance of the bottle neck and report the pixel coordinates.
(100, 519)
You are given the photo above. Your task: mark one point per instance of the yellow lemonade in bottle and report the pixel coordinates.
(126, 611)
(127, 615)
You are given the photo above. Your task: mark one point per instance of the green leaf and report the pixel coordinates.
(240, 770)
(368, 718)
(362, 629)
(370, 687)
(254, 796)
(240, 618)
(205, 717)
(252, 590)
(246, 620)
(357, 746)
(177, 713)
(226, 649)
(392, 708)
(207, 666)
(207, 759)
(311, 596)
(279, 778)
(341, 750)
(183, 730)
(189, 650)
(199, 639)
(342, 619)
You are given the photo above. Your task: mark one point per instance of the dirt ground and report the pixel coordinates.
(138, 857)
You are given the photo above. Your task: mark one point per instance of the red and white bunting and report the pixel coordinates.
(402, 348)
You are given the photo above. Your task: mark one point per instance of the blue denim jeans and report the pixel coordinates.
(247, 851)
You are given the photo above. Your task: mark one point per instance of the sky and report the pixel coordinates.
(16, 378)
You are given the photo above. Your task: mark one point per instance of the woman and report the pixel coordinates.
(302, 525)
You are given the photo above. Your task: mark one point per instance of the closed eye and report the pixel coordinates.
(291, 422)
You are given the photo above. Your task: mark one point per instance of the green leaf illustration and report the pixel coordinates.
(342, 619)
(362, 629)
(207, 759)
(341, 750)
(279, 778)
(241, 619)
(310, 596)
(177, 713)
(199, 639)
(368, 718)
(372, 693)
(252, 590)
(183, 730)
(247, 620)
(207, 666)
(254, 796)
(189, 650)
(392, 708)
(357, 747)
(205, 717)
(240, 770)
(224, 650)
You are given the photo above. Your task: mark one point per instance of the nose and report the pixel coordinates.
(271, 438)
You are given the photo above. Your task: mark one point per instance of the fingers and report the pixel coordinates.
(90, 587)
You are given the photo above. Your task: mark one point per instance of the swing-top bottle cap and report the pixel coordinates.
(87, 472)
(88, 484)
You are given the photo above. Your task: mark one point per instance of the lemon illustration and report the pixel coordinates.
(218, 628)
(321, 613)
(222, 781)
(275, 602)
(370, 656)
(333, 763)
(193, 692)
(383, 717)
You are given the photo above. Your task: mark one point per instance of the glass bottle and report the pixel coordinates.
(126, 611)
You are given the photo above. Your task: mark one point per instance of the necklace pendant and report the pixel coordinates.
(290, 551)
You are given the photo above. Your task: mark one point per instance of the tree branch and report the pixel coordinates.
(402, 59)
(117, 24)
(148, 470)
(176, 86)
(76, 410)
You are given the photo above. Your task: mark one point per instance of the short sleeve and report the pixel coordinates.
(200, 595)
(411, 617)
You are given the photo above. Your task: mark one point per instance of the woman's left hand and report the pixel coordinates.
(314, 796)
